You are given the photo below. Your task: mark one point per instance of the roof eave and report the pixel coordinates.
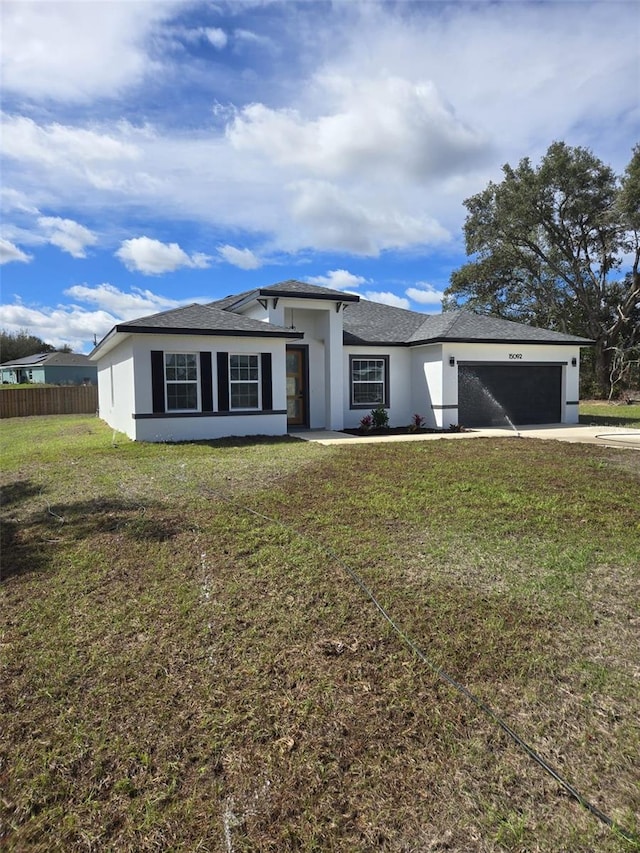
(323, 297)
(119, 333)
(283, 293)
(366, 342)
(226, 333)
(444, 339)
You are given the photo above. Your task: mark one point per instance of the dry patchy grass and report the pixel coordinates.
(182, 674)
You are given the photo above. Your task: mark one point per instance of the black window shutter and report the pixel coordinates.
(267, 383)
(157, 381)
(223, 381)
(206, 382)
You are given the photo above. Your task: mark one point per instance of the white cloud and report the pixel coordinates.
(386, 298)
(328, 217)
(76, 325)
(15, 200)
(245, 259)
(387, 123)
(124, 306)
(425, 294)
(10, 252)
(216, 37)
(77, 51)
(337, 280)
(67, 235)
(151, 257)
(64, 324)
(79, 168)
(396, 119)
(251, 40)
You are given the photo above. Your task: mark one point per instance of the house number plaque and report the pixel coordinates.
(515, 355)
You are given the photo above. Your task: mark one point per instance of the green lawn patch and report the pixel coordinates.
(599, 412)
(180, 672)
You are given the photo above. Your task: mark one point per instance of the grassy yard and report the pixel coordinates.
(599, 412)
(180, 673)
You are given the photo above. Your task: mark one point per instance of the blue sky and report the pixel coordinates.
(161, 153)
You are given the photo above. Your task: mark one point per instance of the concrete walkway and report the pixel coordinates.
(575, 433)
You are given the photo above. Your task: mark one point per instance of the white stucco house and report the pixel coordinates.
(294, 356)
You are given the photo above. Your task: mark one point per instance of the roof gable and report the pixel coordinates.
(291, 289)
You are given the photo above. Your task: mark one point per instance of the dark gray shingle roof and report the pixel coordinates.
(365, 322)
(467, 326)
(370, 322)
(203, 319)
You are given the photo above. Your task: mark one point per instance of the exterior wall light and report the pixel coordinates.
(574, 361)
(452, 361)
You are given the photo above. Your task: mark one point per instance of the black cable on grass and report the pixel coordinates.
(515, 737)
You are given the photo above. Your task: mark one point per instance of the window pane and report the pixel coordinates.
(368, 381)
(244, 395)
(182, 395)
(367, 370)
(181, 367)
(368, 393)
(243, 368)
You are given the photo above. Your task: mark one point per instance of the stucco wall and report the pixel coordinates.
(115, 388)
(401, 394)
(133, 392)
(209, 427)
(427, 383)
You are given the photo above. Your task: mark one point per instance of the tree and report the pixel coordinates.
(20, 344)
(548, 246)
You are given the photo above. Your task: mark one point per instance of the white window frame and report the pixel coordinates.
(168, 382)
(257, 382)
(384, 359)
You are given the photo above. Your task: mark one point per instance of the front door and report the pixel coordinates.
(296, 387)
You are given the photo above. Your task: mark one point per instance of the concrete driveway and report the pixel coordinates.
(575, 433)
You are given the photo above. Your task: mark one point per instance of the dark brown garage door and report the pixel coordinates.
(494, 394)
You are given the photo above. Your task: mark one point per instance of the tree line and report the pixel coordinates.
(558, 246)
(20, 344)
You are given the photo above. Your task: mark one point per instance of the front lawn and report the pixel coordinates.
(602, 413)
(188, 664)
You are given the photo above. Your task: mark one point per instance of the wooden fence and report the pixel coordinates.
(52, 400)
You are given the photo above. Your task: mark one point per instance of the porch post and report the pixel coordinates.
(333, 370)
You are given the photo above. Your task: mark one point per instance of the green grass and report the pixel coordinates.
(598, 412)
(181, 673)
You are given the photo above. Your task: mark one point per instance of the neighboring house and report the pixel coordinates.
(297, 356)
(52, 368)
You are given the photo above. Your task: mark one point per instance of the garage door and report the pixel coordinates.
(488, 394)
